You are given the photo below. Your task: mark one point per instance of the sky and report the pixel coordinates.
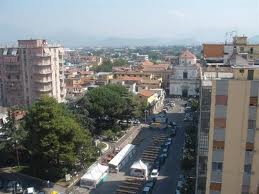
(202, 20)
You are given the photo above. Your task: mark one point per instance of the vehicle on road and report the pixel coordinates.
(1, 184)
(10, 186)
(173, 132)
(154, 174)
(136, 122)
(146, 190)
(157, 164)
(148, 187)
(18, 188)
(30, 190)
(41, 192)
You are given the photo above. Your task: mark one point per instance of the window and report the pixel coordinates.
(217, 166)
(185, 75)
(247, 168)
(252, 50)
(253, 100)
(251, 124)
(9, 77)
(241, 49)
(221, 100)
(250, 75)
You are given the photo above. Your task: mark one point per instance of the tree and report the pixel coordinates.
(108, 104)
(56, 142)
(13, 134)
(107, 65)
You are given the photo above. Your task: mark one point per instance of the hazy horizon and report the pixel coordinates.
(89, 22)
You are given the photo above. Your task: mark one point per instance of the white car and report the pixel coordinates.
(154, 173)
(179, 187)
(30, 190)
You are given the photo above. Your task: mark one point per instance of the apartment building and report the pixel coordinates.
(228, 137)
(30, 70)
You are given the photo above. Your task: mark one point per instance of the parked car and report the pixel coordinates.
(154, 174)
(179, 187)
(136, 122)
(10, 186)
(30, 190)
(157, 164)
(150, 184)
(146, 190)
(18, 188)
(173, 132)
(1, 184)
(41, 192)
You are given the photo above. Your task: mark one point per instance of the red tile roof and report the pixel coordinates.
(146, 93)
(127, 78)
(213, 50)
(86, 72)
(188, 55)
(158, 67)
(147, 62)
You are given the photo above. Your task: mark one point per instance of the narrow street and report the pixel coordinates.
(170, 172)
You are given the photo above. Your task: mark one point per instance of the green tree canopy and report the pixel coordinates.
(108, 104)
(107, 65)
(55, 141)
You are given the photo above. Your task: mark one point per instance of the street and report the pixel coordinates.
(170, 172)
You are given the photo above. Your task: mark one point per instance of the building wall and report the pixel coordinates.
(38, 70)
(232, 162)
(235, 136)
(177, 87)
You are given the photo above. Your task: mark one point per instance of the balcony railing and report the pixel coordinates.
(43, 89)
(43, 71)
(41, 55)
(43, 80)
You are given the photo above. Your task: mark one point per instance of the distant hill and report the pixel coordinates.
(254, 39)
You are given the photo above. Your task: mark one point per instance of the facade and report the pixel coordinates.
(153, 99)
(160, 71)
(31, 70)
(186, 79)
(228, 159)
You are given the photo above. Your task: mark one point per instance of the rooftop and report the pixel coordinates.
(187, 55)
(213, 50)
(147, 93)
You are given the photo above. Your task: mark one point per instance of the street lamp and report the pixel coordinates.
(145, 111)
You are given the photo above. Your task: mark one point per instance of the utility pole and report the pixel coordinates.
(146, 111)
(17, 154)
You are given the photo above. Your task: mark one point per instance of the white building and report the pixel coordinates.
(185, 81)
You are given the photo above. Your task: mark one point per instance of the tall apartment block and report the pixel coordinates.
(30, 70)
(228, 151)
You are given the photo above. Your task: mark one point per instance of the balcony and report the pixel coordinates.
(43, 89)
(42, 71)
(41, 55)
(42, 63)
(43, 80)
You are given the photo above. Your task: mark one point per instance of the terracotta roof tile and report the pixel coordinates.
(146, 93)
(147, 62)
(213, 50)
(187, 54)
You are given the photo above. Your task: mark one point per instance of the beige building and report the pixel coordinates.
(31, 70)
(229, 135)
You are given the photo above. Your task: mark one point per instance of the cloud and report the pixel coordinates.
(176, 13)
